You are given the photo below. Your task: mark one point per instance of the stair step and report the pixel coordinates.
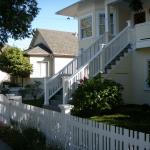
(67, 75)
(55, 102)
(116, 60)
(113, 62)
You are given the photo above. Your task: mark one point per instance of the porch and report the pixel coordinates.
(142, 33)
(138, 21)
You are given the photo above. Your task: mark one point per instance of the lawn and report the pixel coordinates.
(133, 117)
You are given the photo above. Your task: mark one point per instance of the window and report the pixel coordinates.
(148, 74)
(86, 27)
(102, 23)
(111, 24)
(43, 69)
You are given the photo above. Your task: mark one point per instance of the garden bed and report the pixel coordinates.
(23, 138)
(37, 103)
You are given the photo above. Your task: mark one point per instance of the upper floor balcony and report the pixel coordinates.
(142, 35)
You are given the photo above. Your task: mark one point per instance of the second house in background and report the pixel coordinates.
(50, 51)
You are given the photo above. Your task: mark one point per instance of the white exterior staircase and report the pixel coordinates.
(88, 64)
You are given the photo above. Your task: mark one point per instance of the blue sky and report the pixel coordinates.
(48, 20)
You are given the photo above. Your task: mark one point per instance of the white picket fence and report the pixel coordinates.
(73, 133)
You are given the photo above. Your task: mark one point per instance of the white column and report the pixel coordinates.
(107, 16)
(46, 102)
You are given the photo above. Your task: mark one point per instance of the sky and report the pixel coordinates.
(46, 19)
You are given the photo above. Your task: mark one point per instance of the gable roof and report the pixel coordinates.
(39, 49)
(58, 42)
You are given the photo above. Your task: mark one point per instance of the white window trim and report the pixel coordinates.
(114, 21)
(79, 29)
(97, 20)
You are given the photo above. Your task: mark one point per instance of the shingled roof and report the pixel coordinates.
(39, 49)
(59, 42)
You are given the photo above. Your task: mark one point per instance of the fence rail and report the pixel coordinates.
(73, 133)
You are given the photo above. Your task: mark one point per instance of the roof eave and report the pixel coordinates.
(70, 10)
(44, 55)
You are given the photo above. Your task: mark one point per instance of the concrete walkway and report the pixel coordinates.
(4, 146)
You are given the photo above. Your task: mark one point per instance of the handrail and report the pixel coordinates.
(108, 45)
(98, 62)
(116, 37)
(102, 38)
(55, 82)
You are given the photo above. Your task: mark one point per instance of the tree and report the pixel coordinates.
(13, 62)
(15, 19)
(135, 5)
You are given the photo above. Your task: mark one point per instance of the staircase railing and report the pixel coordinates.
(97, 63)
(54, 84)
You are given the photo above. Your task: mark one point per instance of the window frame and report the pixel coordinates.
(146, 87)
(114, 23)
(101, 13)
(47, 71)
(80, 32)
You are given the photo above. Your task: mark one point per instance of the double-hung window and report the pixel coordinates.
(111, 24)
(148, 74)
(86, 27)
(102, 23)
(42, 69)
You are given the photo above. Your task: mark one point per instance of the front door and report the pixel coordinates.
(139, 17)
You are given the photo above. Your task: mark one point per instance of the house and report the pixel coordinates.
(50, 51)
(113, 40)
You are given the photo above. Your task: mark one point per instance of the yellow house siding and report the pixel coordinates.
(121, 73)
(140, 94)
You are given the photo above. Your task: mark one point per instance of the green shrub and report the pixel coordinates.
(21, 138)
(12, 137)
(27, 139)
(38, 103)
(33, 90)
(34, 139)
(96, 96)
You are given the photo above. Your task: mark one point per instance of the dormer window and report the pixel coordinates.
(86, 27)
